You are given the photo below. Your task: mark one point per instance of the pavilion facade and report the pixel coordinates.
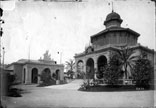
(103, 44)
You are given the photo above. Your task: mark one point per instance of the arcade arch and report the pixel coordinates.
(57, 74)
(90, 68)
(101, 63)
(80, 69)
(34, 75)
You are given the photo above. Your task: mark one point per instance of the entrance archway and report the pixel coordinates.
(34, 75)
(57, 74)
(80, 69)
(47, 71)
(90, 68)
(102, 61)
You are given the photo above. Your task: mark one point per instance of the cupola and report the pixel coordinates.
(113, 20)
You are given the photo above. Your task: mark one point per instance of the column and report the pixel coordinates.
(28, 75)
(39, 79)
(76, 68)
(84, 66)
(95, 63)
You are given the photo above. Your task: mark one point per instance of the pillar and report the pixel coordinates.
(84, 66)
(28, 75)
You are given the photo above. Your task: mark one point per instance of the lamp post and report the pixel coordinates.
(3, 56)
(1, 32)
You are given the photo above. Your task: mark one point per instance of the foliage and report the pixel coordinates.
(127, 59)
(112, 71)
(70, 67)
(84, 86)
(11, 81)
(80, 74)
(70, 74)
(46, 79)
(142, 72)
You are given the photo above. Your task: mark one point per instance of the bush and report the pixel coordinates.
(80, 75)
(84, 86)
(70, 74)
(142, 73)
(112, 72)
(46, 79)
(12, 80)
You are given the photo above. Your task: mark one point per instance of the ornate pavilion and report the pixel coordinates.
(97, 55)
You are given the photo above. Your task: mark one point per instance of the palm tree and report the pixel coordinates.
(127, 59)
(70, 66)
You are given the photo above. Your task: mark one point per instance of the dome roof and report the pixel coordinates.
(113, 16)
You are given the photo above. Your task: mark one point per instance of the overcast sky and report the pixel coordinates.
(66, 27)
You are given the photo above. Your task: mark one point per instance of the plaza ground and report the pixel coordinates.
(67, 95)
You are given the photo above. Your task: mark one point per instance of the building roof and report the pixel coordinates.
(115, 29)
(112, 47)
(113, 16)
(38, 62)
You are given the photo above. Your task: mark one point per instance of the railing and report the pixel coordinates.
(126, 81)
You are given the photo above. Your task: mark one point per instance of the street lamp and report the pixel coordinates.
(3, 56)
(1, 32)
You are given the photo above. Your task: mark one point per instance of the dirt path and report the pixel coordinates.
(68, 96)
(73, 85)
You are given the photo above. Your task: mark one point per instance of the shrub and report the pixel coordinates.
(84, 86)
(142, 72)
(80, 75)
(112, 71)
(46, 79)
(12, 80)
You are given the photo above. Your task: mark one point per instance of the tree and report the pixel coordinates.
(127, 59)
(70, 67)
(142, 72)
(112, 71)
(80, 74)
(46, 79)
(11, 80)
(70, 73)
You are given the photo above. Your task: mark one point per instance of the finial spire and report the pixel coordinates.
(112, 7)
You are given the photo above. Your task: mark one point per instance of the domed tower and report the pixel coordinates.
(113, 20)
(114, 34)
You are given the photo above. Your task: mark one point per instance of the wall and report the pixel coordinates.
(115, 38)
(40, 69)
(18, 70)
(94, 56)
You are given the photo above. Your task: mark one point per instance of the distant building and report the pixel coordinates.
(27, 71)
(104, 43)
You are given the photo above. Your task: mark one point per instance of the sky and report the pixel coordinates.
(31, 28)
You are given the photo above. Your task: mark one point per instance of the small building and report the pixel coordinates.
(28, 71)
(104, 43)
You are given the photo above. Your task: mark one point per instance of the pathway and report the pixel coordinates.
(67, 95)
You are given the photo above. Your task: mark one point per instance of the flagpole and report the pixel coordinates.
(60, 57)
